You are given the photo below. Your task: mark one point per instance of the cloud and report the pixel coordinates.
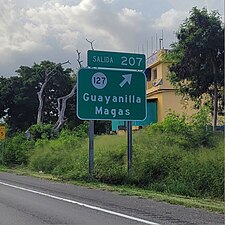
(55, 26)
(33, 30)
(169, 19)
(130, 17)
(188, 5)
(130, 12)
(18, 34)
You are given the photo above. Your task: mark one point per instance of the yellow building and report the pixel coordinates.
(161, 91)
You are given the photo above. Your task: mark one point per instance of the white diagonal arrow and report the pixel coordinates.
(127, 79)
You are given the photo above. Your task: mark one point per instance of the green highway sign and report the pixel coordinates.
(104, 94)
(116, 60)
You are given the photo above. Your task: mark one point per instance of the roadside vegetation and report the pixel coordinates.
(173, 157)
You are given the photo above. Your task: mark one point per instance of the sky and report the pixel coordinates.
(35, 30)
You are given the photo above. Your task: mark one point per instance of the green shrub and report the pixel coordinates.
(110, 165)
(110, 159)
(42, 131)
(175, 129)
(202, 173)
(74, 163)
(153, 158)
(45, 159)
(17, 149)
(82, 130)
(57, 156)
(167, 167)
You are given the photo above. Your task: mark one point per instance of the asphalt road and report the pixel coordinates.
(32, 201)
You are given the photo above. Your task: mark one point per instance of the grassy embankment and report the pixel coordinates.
(173, 161)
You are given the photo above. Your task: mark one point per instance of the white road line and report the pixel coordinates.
(82, 204)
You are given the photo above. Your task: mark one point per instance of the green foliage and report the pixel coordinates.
(60, 84)
(42, 131)
(110, 159)
(167, 167)
(175, 129)
(64, 156)
(197, 59)
(153, 162)
(18, 149)
(200, 174)
(82, 130)
(201, 118)
(18, 103)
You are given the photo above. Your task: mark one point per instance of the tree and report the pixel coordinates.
(18, 105)
(4, 96)
(18, 95)
(51, 82)
(198, 59)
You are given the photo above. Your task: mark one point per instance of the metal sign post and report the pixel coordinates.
(3, 147)
(2, 139)
(91, 147)
(129, 149)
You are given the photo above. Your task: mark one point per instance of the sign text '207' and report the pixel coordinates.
(131, 61)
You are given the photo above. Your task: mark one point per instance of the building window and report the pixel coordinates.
(154, 74)
(148, 74)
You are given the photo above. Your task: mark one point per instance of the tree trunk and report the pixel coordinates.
(62, 108)
(40, 98)
(48, 76)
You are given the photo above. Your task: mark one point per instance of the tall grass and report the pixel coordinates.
(110, 159)
(156, 166)
(170, 168)
(173, 156)
(66, 156)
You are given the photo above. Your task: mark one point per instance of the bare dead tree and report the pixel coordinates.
(62, 108)
(48, 76)
(78, 58)
(62, 101)
(91, 43)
